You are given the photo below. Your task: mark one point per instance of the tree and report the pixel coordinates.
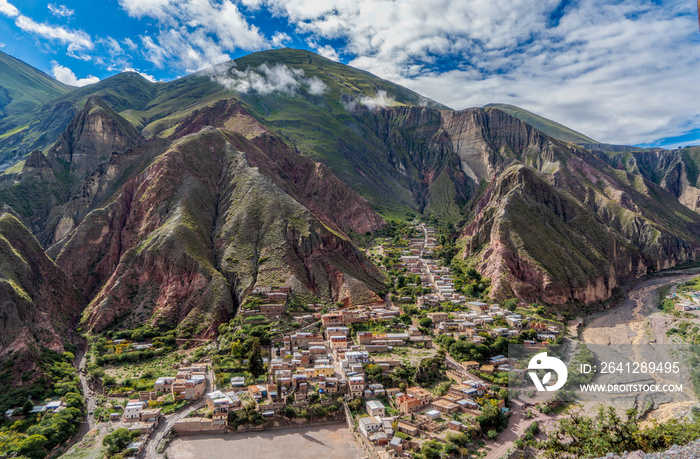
(255, 362)
(511, 304)
(33, 447)
(117, 440)
(28, 405)
(426, 322)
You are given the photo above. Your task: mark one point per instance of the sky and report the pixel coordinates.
(623, 72)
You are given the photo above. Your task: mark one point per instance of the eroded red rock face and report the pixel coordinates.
(40, 305)
(311, 183)
(187, 238)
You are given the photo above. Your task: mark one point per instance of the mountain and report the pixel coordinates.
(561, 132)
(24, 88)
(194, 233)
(546, 126)
(167, 203)
(39, 303)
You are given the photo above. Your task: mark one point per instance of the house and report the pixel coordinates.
(415, 399)
(445, 406)
(238, 381)
(408, 428)
(190, 388)
(326, 371)
(257, 391)
(217, 401)
(375, 408)
(150, 415)
(478, 306)
(164, 384)
(368, 425)
(396, 445)
(132, 411)
(433, 414)
(357, 385)
(438, 317)
(456, 425)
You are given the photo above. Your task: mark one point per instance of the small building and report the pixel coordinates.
(132, 411)
(368, 425)
(433, 414)
(375, 408)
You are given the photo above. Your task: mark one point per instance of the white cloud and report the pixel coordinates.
(194, 34)
(76, 40)
(61, 11)
(620, 72)
(8, 9)
(130, 44)
(150, 78)
(279, 39)
(326, 51)
(2, 45)
(266, 79)
(381, 99)
(66, 75)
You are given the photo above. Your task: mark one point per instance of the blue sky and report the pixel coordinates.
(618, 71)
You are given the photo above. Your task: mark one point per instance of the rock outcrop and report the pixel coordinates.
(186, 239)
(38, 303)
(94, 133)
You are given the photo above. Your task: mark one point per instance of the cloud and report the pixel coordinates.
(8, 9)
(130, 44)
(77, 40)
(2, 45)
(66, 75)
(326, 51)
(265, 80)
(150, 78)
(381, 99)
(61, 11)
(279, 39)
(194, 34)
(620, 71)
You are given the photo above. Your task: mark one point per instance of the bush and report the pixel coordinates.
(492, 434)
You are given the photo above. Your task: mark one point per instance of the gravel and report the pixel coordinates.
(689, 451)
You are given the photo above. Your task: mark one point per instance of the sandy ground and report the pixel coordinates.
(629, 322)
(315, 442)
(638, 321)
(517, 426)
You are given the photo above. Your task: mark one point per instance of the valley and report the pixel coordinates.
(186, 264)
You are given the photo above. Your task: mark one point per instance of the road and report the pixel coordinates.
(88, 394)
(517, 426)
(150, 450)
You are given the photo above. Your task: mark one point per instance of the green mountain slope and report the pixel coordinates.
(23, 88)
(547, 126)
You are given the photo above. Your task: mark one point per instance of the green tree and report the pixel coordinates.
(117, 440)
(255, 361)
(33, 447)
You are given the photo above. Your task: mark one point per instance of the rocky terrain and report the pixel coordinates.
(168, 203)
(689, 451)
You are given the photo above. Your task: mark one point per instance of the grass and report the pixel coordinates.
(547, 126)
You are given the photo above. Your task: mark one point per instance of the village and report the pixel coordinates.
(425, 367)
(346, 354)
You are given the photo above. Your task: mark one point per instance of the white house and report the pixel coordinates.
(375, 408)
